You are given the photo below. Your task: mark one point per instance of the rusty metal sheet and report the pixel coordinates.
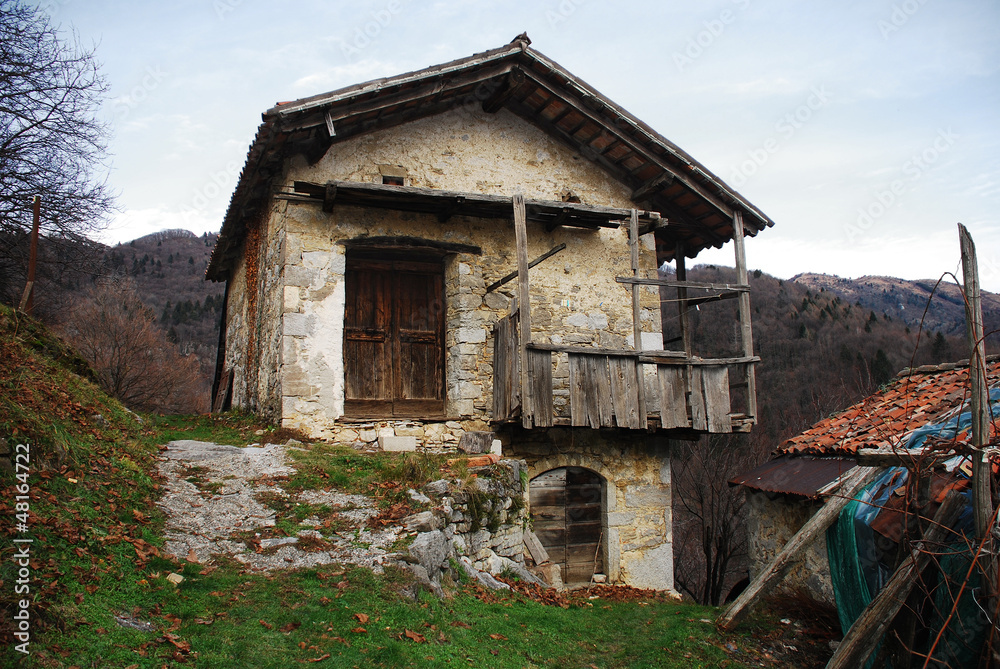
(791, 475)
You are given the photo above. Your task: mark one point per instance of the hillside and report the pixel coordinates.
(103, 592)
(906, 300)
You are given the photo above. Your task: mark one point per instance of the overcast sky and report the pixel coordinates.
(866, 130)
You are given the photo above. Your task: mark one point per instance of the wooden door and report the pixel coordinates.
(566, 508)
(394, 338)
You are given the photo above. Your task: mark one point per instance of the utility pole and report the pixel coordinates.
(28, 297)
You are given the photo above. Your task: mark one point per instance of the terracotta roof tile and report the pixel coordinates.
(917, 397)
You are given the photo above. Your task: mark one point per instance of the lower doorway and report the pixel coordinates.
(566, 506)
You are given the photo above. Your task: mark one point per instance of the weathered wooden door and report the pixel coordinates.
(566, 508)
(394, 338)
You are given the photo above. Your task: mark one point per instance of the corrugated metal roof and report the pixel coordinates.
(795, 475)
(916, 398)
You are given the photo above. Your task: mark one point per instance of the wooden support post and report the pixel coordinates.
(869, 628)
(774, 572)
(633, 245)
(683, 307)
(521, 238)
(979, 400)
(28, 297)
(746, 333)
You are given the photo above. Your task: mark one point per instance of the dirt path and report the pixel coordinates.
(218, 502)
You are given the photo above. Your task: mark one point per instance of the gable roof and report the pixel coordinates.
(917, 398)
(696, 205)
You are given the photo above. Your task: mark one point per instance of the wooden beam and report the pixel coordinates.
(449, 209)
(633, 245)
(652, 187)
(682, 284)
(850, 486)
(513, 275)
(329, 195)
(521, 241)
(514, 80)
(746, 332)
(868, 630)
(683, 306)
(979, 405)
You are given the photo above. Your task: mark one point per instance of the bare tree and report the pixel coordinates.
(710, 540)
(118, 335)
(51, 141)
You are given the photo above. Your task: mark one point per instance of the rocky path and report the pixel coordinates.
(217, 497)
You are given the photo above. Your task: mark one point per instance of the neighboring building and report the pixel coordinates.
(920, 404)
(367, 252)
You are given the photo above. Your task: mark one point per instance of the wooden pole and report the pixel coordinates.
(633, 245)
(28, 297)
(746, 332)
(683, 309)
(521, 238)
(979, 400)
(869, 628)
(782, 562)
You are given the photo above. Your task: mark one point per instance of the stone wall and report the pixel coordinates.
(770, 524)
(637, 516)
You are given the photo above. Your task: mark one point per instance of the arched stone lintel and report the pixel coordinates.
(580, 460)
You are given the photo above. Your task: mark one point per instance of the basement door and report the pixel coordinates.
(566, 508)
(394, 338)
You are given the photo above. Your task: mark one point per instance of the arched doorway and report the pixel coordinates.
(566, 513)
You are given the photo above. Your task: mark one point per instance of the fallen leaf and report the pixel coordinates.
(498, 637)
(359, 630)
(415, 636)
(320, 658)
(362, 617)
(289, 627)
(191, 557)
(267, 625)
(459, 623)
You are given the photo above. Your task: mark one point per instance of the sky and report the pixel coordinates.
(865, 130)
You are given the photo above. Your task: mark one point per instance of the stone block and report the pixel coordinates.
(409, 431)
(298, 325)
(638, 496)
(471, 335)
(620, 518)
(291, 301)
(299, 275)
(407, 444)
(475, 442)
(653, 569)
(496, 301)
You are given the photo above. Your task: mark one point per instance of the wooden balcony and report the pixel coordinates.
(636, 390)
(627, 389)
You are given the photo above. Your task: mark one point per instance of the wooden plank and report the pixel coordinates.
(513, 275)
(535, 548)
(695, 362)
(500, 397)
(673, 401)
(850, 486)
(578, 390)
(591, 393)
(868, 630)
(624, 393)
(746, 332)
(699, 412)
(540, 373)
(584, 350)
(717, 405)
(633, 245)
(600, 381)
(521, 241)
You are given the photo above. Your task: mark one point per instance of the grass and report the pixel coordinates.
(96, 529)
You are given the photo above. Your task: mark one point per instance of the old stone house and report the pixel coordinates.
(376, 258)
